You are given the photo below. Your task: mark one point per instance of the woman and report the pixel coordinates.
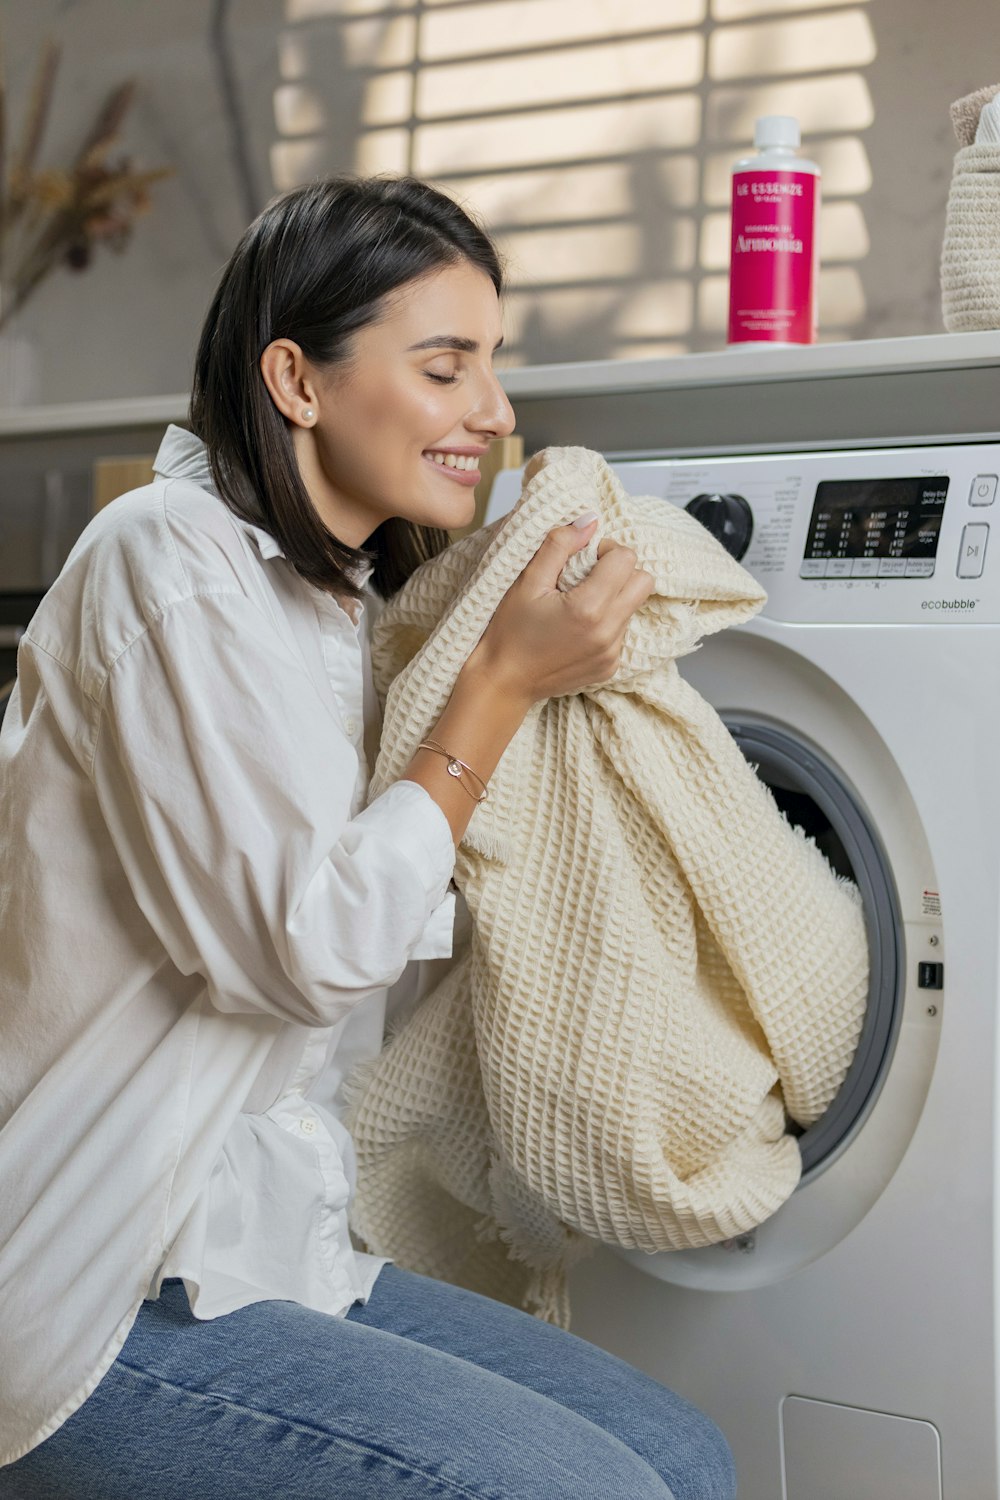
(201, 918)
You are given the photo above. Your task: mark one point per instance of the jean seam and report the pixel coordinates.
(298, 1425)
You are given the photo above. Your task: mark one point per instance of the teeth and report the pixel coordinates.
(455, 460)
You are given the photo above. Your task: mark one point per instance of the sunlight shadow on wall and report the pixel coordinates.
(595, 140)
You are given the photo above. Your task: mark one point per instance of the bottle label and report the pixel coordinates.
(772, 264)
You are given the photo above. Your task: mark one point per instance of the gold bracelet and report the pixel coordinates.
(455, 768)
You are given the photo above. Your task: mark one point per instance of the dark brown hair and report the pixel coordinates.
(315, 267)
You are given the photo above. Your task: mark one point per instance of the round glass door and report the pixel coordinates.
(817, 798)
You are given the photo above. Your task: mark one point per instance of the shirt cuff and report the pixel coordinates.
(407, 816)
(438, 937)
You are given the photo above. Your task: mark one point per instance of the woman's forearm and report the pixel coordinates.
(479, 721)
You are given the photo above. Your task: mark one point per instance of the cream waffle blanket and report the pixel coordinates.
(659, 964)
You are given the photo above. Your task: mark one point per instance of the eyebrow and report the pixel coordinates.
(450, 341)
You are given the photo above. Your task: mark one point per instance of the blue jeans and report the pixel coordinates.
(428, 1391)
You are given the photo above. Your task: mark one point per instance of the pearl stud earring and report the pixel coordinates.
(307, 414)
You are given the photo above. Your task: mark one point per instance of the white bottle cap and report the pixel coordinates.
(776, 130)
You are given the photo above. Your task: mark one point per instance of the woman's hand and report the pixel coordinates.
(541, 643)
(544, 643)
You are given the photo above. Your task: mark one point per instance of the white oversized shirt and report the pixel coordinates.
(198, 922)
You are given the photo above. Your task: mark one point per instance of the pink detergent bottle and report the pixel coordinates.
(774, 254)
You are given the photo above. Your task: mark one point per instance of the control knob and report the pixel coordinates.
(729, 519)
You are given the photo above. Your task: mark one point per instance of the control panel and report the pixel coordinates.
(880, 535)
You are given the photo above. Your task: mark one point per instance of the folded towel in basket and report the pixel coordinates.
(660, 965)
(970, 257)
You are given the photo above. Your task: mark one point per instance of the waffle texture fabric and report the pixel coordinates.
(659, 965)
(970, 254)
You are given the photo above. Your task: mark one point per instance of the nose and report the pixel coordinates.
(492, 415)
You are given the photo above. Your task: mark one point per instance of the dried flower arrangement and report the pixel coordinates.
(56, 217)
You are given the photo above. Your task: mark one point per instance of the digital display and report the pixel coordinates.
(875, 528)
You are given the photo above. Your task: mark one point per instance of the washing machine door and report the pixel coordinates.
(816, 796)
(833, 775)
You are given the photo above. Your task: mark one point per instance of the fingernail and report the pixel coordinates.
(582, 522)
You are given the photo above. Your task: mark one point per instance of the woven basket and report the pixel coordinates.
(970, 257)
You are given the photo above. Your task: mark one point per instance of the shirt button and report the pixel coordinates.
(351, 726)
(308, 1127)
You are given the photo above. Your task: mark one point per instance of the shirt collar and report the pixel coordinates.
(182, 455)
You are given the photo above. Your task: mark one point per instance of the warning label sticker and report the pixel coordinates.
(931, 904)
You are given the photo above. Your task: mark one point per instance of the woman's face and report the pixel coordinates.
(401, 426)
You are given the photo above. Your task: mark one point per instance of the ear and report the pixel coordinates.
(288, 378)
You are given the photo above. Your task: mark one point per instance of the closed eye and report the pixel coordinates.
(441, 379)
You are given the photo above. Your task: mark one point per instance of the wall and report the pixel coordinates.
(594, 135)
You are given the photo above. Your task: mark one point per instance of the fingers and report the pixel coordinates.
(604, 603)
(553, 641)
(613, 590)
(616, 575)
(557, 549)
(636, 589)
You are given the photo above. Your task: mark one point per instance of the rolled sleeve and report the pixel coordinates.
(407, 815)
(439, 935)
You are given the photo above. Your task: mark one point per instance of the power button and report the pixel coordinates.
(984, 489)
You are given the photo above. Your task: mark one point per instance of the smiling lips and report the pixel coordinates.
(463, 467)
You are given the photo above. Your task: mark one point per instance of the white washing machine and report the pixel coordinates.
(849, 1348)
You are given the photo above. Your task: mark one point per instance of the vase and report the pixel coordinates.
(19, 364)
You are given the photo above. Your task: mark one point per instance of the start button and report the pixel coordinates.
(972, 552)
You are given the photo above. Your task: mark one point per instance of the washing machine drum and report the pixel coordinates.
(816, 797)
